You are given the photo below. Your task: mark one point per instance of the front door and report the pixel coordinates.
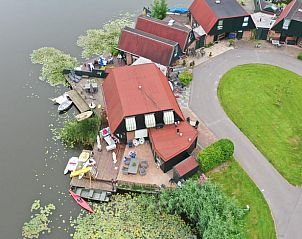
(239, 34)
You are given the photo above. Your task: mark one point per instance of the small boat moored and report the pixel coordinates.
(71, 165)
(92, 194)
(65, 105)
(81, 201)
(84, 115)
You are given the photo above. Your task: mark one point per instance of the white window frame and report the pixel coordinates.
(130, 123)
(169, 117)
(220, 25)
(150, 120)
(286, 23)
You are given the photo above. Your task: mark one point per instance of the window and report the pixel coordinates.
(220, 25)
(245, 21)
(169, 117)
(130, 123)
(286, 23)
(176, 51)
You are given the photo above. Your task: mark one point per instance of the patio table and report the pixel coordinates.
(133, 166)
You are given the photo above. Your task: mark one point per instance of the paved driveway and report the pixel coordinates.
(284, 200)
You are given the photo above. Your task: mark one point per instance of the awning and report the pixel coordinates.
(141, 133)
(150, 120)
(169, 117)
(130, 123)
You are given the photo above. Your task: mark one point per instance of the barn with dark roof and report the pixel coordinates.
(221, 18)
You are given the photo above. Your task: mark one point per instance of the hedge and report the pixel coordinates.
(300, 55)
(215, 154)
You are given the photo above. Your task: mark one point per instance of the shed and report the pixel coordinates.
(263, 24)
(185, 169)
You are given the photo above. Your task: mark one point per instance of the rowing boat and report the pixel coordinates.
(81, 201)
(65, 105)
(84, 115)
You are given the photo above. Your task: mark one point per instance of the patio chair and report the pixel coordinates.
(130, 143)
(142, 171)
(144, 164)
(127, 161)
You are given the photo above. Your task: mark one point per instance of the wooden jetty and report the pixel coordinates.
(78, 101)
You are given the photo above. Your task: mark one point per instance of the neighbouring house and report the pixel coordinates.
(288, 26)
(266, 7)
(263, 23)
(140, 104)
(134, 43)
(221, 19)
(168, 29)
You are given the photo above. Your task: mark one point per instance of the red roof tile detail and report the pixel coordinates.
(136, 42)
(162, 29)
(186, 166)
(123, 97)
(203, 14)
(284, 13)
(168, 144)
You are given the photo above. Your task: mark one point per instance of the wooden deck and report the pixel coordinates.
(78, 101)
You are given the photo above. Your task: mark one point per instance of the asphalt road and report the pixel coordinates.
(285, 200)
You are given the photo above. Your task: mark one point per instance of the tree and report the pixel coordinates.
(159, 9)
(98, 41)
(185, 77)
(54, 62)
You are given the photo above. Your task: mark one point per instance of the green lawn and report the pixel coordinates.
(265, 102)
(236, 183)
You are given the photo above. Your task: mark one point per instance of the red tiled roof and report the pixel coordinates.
(203, 14)
(207, 12)
(186, 166)
(162, 29)
(284, 13)
(168, 144)
(123, 97)
(144, 44)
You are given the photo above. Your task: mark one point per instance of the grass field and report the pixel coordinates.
(235, 183)
(265, 102)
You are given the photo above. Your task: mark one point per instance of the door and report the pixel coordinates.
(239, 34)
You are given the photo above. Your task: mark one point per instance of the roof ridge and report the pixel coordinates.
(161, 22)
(145, 34)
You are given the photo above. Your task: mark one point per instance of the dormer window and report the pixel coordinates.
(220, 25)
(286, 23)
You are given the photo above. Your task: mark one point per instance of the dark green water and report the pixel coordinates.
(31, 163)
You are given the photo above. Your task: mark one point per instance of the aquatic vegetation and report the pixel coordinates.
(39, 221)
(130, 216)
(79, 133)
(53, 63)
(105, 40)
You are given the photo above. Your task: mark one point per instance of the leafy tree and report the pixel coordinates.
(130, 216)
(54, 62)
(206, 206)
(79, 133)
(98, 41)
(215, 154)
(159, 9)
(185, 77)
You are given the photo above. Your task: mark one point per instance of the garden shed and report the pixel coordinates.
(185, 169)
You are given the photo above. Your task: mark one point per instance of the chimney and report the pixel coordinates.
(171, 22)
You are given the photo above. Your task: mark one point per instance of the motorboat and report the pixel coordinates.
(71, 165)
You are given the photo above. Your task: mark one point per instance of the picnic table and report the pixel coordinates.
(133, 166)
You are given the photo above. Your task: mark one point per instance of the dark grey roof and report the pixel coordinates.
(151, 36)
(226, 8)
(295, 12)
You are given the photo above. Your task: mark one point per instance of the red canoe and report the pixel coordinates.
(81, 201)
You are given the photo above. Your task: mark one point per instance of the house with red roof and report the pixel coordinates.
(139, 103)
(170, 30)
(135, 43)
(220, 19)
(288, 26)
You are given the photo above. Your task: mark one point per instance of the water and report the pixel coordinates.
(31, 163)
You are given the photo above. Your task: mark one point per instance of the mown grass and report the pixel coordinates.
(264, 101)
(236, 183)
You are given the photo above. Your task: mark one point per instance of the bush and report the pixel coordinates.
(212, 213)
(80, 133)
(300, 56)
(185, 77)
(215, 154)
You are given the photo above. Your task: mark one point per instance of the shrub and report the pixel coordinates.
(80, 133)
(212, 213)
(215, 154)
(185, 77)
(300, 56)
(159, 9)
